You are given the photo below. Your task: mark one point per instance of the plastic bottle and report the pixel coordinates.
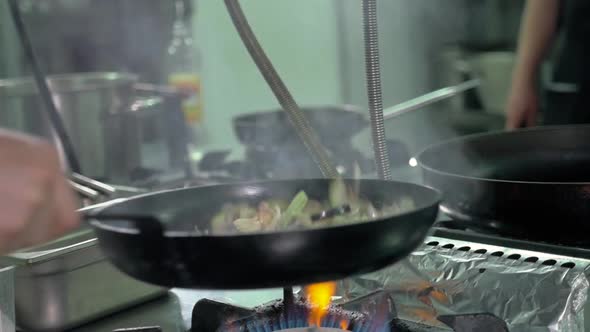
(184, 68)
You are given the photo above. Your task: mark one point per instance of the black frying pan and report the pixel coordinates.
(333, 124)
(169, 252)
(533, 181)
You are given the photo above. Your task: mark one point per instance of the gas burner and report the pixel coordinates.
(141, 329)
(312, 329)
(290, 313)
(372, 313)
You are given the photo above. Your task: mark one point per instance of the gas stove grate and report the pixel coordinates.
(213, 316)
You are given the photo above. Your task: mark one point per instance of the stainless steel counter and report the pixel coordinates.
(173, 312)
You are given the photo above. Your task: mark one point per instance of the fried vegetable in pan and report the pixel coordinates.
(344, 206)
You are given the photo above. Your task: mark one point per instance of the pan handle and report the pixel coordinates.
(146, 225)
(149, 227)
(151, 230)
(429, 98)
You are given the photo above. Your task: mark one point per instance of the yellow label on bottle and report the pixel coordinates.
(191, 85)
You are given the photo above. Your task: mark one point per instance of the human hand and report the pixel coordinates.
(36, 202)
(522, 107)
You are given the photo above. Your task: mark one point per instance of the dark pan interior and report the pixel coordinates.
(533, 182)
(552, 154)
(186, 209)
(332, 123)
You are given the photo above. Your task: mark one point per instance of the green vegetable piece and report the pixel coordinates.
(245, 225)
(295, 208)
(218, 224)
(338, 195)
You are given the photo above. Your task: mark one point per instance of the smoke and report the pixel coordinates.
(410, 32)
(421, 47)
(413, 35)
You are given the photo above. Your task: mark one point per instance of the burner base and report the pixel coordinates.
(372, 313)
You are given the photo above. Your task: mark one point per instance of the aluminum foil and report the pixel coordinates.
(431, 282)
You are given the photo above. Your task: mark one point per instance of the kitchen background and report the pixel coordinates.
(317, 47)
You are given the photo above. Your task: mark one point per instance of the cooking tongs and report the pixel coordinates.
(93, 191)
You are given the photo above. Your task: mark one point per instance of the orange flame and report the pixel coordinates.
(344, 325)
(319, 296)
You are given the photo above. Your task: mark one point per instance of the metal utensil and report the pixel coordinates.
(92, 184)
(429, 98)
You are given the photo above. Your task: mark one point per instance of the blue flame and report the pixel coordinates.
(283, 323)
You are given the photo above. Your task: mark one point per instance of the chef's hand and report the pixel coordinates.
(36, 202)
(523, 106)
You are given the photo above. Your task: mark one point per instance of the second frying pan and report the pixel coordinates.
(334, 124)
(535, 181)
(164, 248)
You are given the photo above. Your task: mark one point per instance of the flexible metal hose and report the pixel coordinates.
(373, 73)
(296, 116)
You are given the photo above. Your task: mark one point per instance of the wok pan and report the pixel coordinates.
(163, 247)
(533, 181)
(334, 124)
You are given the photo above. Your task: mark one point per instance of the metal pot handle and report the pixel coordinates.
(160, 90)
(429, 98)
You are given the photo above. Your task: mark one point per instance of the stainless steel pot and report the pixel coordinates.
(88, 104)
(98, 110)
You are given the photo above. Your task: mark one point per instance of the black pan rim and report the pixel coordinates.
(349, 108)
(473, 137)
(432, 202)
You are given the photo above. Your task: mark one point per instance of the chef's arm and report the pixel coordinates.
(538, 29)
